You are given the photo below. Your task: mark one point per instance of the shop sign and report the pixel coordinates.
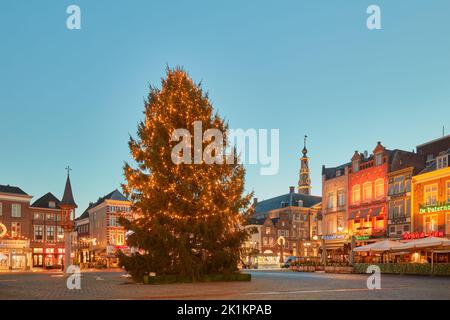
(360, 238)
(14, 244)
(334, 237)
(420, 235)
(432, 209)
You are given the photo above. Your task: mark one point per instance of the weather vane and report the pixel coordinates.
(68, 170)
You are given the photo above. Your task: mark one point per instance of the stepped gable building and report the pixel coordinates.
(431, 191)
(15, 229)
(291, 222)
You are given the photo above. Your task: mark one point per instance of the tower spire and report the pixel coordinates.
(304, 182)
(68, 199)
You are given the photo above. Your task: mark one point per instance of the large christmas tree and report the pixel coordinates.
(189, 216)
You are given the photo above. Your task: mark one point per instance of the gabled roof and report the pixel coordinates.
(12, 190)
(84, 215)
(289, 199)
(68, 195)
(114, 195)
(330, 173)
(44, 201)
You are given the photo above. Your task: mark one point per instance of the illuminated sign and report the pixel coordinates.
(420, 235)
(362, 237)
(438, 208)
(334, 237)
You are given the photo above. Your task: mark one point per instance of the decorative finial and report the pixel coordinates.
(68, 170)
(304, 145)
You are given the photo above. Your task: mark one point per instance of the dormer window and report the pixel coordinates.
(378, 159)
(338, 173)
(430, 157)
(442, 162)
(52, 204)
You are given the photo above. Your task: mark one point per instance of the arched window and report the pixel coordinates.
(356, 194)
(367, 191)
(379, 188)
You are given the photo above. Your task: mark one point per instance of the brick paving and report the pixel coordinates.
(264, 285)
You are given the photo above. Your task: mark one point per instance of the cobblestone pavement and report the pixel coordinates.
(264, 285)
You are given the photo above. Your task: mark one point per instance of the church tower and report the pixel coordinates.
(304, 183)
(68, 207)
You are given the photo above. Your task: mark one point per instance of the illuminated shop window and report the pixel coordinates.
(430, 223)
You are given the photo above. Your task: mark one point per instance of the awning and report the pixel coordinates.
(424, 243)
(375, 212)
(381, 246)
(359, 214)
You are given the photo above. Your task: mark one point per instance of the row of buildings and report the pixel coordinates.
(393, 194)
(32, 232)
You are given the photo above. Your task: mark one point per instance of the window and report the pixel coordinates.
(379, 188)
(430, 223)
(447, 223)
(38, 216)
(50, 233)
(330, 200)
(341, 198)
(16, 229)
(50, 217)
(431, 194)
(338, 173)
(16, 210)
(448, 195)
(378, 159)
(442, 162)
(367, 191)
(1, 209)
(356, 193)
(60, 233)
(399, 185)
(398, 209)
(38, 233)
(268, 230)
(52, 204)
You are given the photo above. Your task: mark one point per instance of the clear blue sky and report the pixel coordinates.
(72, 97)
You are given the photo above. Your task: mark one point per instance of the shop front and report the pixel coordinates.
(15, 255)
(48, 258)
(336, 248)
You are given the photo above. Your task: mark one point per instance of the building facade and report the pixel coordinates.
(403, 166)
(107, 236)
(368, 180)
(431, 191)
(15, 226)
(335, 238)
(47, 240)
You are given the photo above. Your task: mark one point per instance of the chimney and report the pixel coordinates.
(291, 189)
